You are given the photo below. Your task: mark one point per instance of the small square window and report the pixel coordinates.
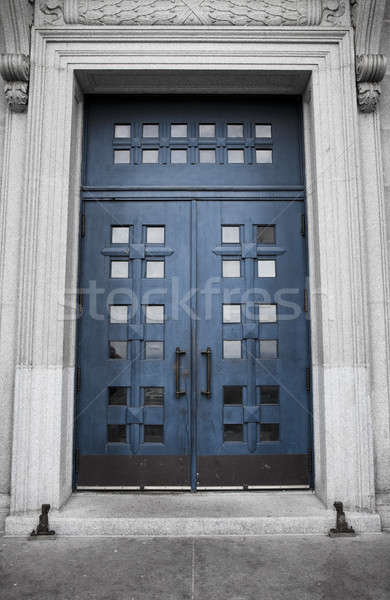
(116, 434)
(149, 157)
(266, 234)
(207, 156)
(120, 235)
(153, 396)
(236, 156)
(119, 313)
(264, 156)
(269, 394)
(178, 157)
(122, 131)
(266, 268)
(230, 234)
(154, 314)
(267, 313)
(118, 350)
(263, 131)
(179, 130)
(232, 313)
(231, 268)
(121, 157)
(119, 269)
(235, 130)
(154, 434)
(268, 349)
(150, 130)
(154, 350)
(155, 269)
(207, 130)
(232, 394)
(232, 348)
(117, 396)
(155, 235)
(232, 433)
(269, 432)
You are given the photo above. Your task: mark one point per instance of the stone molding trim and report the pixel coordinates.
(192, 12)
(370, 70)
(15, 70)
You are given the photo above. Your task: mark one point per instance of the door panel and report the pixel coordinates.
(259, 404)
(128, 340)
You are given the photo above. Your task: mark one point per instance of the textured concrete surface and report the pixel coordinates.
(266, 568)
(192, 515)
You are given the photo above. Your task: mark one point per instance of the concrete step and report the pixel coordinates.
(192, 515)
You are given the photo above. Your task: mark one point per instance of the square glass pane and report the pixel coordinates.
(264, 156)
(268, 349)
(149, 157)
(269, 394)
(116, 434)
(120, 235)
(154, 313)
(267, 313)
(179, 130)
(154, 350)
(233, 433)
(269, 432)
(118, 313)
(155, 235)
(232, 313)
(232, 348)
(232, 394)
(121, 157)
(119, 269)
(155, 269)
(266, 234)
(117, 396)
(122, 131)
(154, 434)
(118, 349)
(150, 130)
(236, 156)
(207, 130)
(231, 268)
(230, 234)
(207, 156)
(266, 268)
(178, 157)
(153, 396)
(235, 130)
(263, 131)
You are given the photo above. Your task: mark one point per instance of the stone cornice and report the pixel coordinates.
(191, 12)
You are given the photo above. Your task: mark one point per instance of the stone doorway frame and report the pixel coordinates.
(338, 262)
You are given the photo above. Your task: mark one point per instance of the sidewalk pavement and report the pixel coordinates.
(223, 568)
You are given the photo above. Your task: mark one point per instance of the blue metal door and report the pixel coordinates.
(193, 339)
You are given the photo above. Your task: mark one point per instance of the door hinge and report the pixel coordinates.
(305, 301)
(308, 380)
(78, 380)
(82, 225)
(310, 460)
(76, 460)
(80, 303)
(303, 225)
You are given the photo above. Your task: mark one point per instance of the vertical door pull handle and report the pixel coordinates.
(207, 353)
(179, 392)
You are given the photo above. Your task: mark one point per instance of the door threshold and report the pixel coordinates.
(173, 488)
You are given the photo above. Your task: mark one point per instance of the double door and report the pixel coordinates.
(193, 345)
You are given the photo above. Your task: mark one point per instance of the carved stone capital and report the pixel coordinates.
(15, 70)
(370, 70)
(192, 12)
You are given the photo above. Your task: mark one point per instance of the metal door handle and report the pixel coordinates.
(208, 354)
(179, 392)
